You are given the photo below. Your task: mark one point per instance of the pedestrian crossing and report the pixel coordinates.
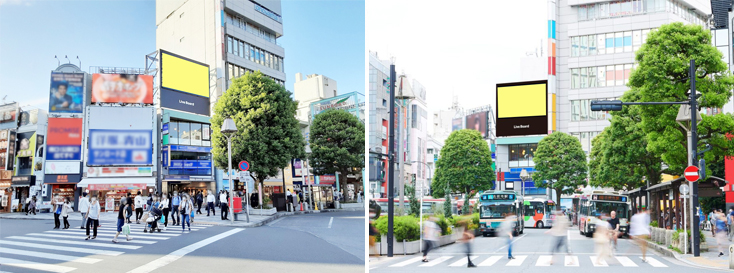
(60, 250)
(533, 260)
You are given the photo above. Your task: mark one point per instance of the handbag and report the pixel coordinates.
(126, 229)
(163, 219)
(145, 216)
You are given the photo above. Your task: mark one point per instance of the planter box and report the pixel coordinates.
(263, 211)
(399, 248)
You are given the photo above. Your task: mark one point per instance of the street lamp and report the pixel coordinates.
(524, 176)
(228, 129)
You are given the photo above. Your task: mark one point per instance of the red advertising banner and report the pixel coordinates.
(116, 187)
(327, 179)
(64, 131)
(122, 88)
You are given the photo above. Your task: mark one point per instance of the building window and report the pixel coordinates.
(173, 132)
(522, 152)
(229, 44)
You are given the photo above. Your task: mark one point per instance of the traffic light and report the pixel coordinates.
(702, 168)
(606, 105)
(381, 166)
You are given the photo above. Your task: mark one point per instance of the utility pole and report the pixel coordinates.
(694, 144)
(391, 164)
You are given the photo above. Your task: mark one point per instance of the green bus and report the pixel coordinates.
(494, 206)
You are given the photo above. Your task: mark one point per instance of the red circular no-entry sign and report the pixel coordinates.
(691, 173)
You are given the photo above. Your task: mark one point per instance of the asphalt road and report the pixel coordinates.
(307, 243)
(533, 253)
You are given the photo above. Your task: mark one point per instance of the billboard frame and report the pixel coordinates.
(163, 89)
(500, 121)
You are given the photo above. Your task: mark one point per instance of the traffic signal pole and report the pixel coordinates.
(391, 164)
(616, 105)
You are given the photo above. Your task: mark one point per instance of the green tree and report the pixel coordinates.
(447, 208)
(415, 206)
(662, 75)
(560, 163)
(337, 144)
(465, 164)
(267, 135)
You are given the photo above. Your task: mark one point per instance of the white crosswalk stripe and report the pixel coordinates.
(463, 261)
(517, 261)
(533, 260)
(625, 261)
(571, 261)
(409, 261)
(600, 263)
(436, 261)
(654, 262)
(490, 261)
(544, 260)
(70, 247)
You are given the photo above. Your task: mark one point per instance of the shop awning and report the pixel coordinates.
(96, 184)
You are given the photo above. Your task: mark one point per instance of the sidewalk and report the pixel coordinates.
(708, 259)
(199, 219)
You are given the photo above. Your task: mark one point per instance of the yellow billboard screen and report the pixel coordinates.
(522, 108)
(184, 75)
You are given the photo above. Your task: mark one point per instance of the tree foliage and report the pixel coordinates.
(465, 164)
(337, 144)
(662, 76)
(414, 207)
(560, 163)
(267, 134)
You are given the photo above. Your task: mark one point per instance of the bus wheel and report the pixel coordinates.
(539, 224)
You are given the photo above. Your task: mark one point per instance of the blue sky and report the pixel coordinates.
(320, 37)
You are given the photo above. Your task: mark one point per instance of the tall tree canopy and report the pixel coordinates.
(465, 164)
(268, 136)
(560, 163)
(337, 144)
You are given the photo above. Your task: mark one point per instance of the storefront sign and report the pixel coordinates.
(63, 178)
(164, 129)
(197, 149)
(191, 164)
(6, 175)
(297, 168)
(120, 147)
(64, 139)
(327, 179)
(117, 187)
(9, 115)
(109, 204)
(23, 181)
(119, 171)
(346, 102)
(177, 177)
(26, 144)
(164, 156)
(62, 167)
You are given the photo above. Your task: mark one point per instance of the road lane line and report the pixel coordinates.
(463, 261)
(86, 243)
(490, 261)
(571, 261)
(517, 261)
(602, 263)
(165, 260)
(654, 262)
(513, 242)
(626, 262)
(64, 248)
(52, 256)
(407, 262)
(35, 265)
(331, 220)
(544, 260)
(437, 261)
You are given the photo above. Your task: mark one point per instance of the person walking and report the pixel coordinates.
(640, 230)
(730, 220)
(614, 224)
(199, 200)
(225, 206)
(166, 207)
(720, 231)
(373, 232)
(57, 211)
(558, 230)
(176, 201)
(712, 221)
(65, 209)
(601, 239)
(467, 237)
(210, 204)
(138, 207)
(506, 229)
(93, 217)
(129, 211)
(185, 209)
(32, 206)
(430, 235)
(120, 222)
(83, 207)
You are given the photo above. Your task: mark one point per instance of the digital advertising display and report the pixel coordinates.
(64, 139)
(67, 93)
(122, 88)
(522, 108)
(184, 84)
(456, 124)
(348, 102)
(120, 147)
(9, 116)
(478, 122)
(26, 144)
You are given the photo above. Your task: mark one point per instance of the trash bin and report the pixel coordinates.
(279, 201)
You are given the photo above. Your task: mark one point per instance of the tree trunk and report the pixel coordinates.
(558, 199)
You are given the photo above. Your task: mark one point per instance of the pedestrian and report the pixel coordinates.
(430, 235)
(614, 224)
(32, 205)
(185, 209)
(131, 205)
(199, 200)
(93, 217)
(27, 205)
(558, 230)
(176, 201)
(120, 222)
(712, 221)
(57, 211)
(65, 209)
(601, 240)
(467, 238)
(373, 232)
(138, 207)
(720, 231)
(730, 220)
(210, 204)
(359, 197)
(224, 204)
(506, 229)
(83, 207)
(640, 230)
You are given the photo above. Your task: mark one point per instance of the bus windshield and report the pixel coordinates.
(496, 211)
(597, 208)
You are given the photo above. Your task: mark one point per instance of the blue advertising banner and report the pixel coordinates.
(191, 149)
(64, 152)
(164, 155)
(164, 129)
(120, 147)
(191, 164)
(67, 93)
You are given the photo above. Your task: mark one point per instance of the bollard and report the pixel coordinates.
(404, 251)
(235, 216)
(731, 256)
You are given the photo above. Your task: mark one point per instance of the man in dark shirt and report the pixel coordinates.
(129, 207)
(121, 221)
(614, 222)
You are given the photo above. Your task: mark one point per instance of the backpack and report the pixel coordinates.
(183, 208)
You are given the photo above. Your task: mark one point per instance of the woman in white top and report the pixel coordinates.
(640, 229)
(65, 209)
(93, 217)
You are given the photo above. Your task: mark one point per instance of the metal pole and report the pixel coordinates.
(685, 242)
(694, 140)
(229, 175)
(391, 164)
(247, 199)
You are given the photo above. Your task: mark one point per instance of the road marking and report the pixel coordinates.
(52, 256)
(331, 220)
(437, 261)
(490, 261)
(34, 265)
(544, 260)
(81, 237)
(407, 262)
(113, 231)
(601, 263)
(571, 261)
(625, 261)
(276, 220)
(86, 243)
(165, 260)
(517, 261)
(64, 248)
(110, 235)
(513, 241)
(463, 261)
(654, 262)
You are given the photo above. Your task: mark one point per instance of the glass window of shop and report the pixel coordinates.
(173, 132)
(205, 135)
(184, 133)
(196, 134)
(522, 152)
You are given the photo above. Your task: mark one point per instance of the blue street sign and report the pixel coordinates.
(244, 166)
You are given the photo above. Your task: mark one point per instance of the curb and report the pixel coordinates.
(670, 253)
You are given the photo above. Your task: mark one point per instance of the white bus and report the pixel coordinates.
(597, 204)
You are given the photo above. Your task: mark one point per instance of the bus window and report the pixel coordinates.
(529, 210)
